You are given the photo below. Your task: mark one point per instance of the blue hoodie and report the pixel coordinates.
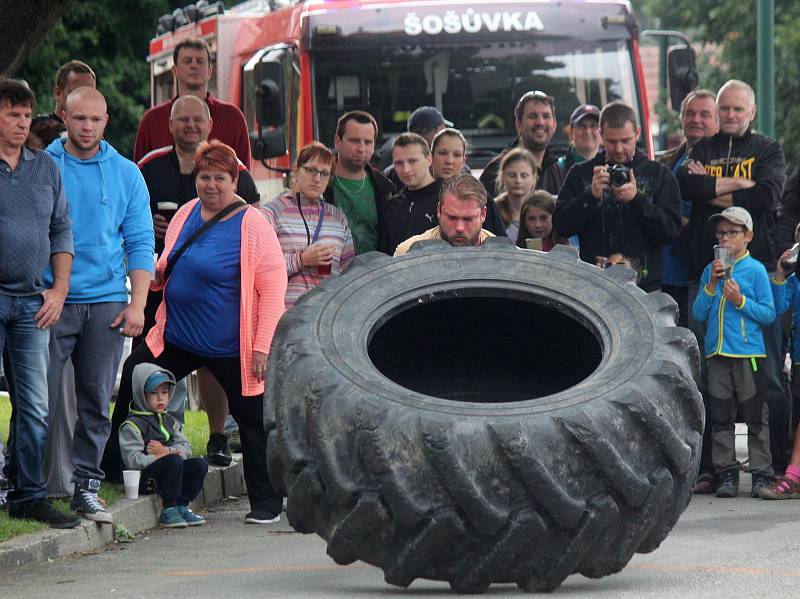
(111, 223)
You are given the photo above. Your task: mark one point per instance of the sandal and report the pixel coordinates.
(705, 484)
(784, 488)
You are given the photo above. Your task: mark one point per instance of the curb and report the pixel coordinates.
(136, 515)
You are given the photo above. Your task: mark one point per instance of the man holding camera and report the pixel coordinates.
(620, 201)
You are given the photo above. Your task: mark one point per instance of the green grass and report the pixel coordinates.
(195, 429)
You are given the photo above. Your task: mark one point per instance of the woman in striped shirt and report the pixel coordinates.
(314, 235)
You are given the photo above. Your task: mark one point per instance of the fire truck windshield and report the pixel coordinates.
(475, 86)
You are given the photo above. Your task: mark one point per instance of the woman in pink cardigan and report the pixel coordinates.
(222, 301)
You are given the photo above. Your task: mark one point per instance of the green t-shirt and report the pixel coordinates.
(356, 197)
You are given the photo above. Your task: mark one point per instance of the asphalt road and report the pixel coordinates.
(721, 548)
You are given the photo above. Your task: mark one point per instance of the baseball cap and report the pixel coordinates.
(583, 111)
(426, 118)
(155, 379)
(736, 215)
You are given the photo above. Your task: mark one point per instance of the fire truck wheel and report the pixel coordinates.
(484, 415)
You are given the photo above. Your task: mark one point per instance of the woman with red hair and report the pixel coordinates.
(315, 236)
(224, 281)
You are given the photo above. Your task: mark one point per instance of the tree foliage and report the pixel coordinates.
(112, 37)
(727, 30)
(23, 23)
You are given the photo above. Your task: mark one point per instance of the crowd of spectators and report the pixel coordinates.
(704, 223)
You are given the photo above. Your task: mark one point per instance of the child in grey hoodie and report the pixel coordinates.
(151, 441)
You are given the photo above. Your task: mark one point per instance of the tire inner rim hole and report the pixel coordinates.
(484, 349)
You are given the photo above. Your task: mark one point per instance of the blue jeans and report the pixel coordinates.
(29, 360)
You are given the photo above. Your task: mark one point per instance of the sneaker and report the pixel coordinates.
(190, 517)
(86, 502)
(42, 510)
(171, 518)
(261, 517)
(728, 484)
(217, 450)
(783, 488)
(759, 482)
(705, 483)
(234, 441)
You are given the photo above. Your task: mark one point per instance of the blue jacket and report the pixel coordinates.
(787, 295)
(735, 331)
(111, 223)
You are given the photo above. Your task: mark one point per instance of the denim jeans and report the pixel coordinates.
(28, 358)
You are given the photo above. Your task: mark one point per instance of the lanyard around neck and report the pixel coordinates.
(313, 239)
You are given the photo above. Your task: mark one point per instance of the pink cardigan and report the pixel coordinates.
(263, 276)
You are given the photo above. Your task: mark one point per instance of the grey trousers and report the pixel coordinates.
(84, 333)
(736, 384)
(63, 414)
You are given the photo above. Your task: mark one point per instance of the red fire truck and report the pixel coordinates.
(293, 67)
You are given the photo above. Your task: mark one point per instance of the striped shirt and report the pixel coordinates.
(283, 213)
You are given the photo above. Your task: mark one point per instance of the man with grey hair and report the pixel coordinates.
(739, 167)
(461, 212)
(698, 119)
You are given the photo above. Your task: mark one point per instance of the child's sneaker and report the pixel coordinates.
(705, 484)
(783, 488)
(171, 518)
(728, 484)
(86, 502)
(190, 517)
(759, 482)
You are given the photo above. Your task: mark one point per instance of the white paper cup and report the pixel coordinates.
(131, 480)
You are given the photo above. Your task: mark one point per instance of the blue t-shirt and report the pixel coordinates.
(675, 256)
(204, 290)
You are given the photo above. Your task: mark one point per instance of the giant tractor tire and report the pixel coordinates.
(484, 415)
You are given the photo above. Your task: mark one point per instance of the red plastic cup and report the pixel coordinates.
(323, 269)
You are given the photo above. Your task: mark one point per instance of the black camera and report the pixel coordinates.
(619, 174)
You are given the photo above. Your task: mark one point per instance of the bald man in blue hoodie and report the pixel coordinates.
(113, 236)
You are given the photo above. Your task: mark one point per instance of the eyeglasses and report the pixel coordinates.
(315, 172)
(732, 233)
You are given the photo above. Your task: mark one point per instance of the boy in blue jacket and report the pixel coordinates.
(734, 310)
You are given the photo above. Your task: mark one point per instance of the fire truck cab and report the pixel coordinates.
(294, 67)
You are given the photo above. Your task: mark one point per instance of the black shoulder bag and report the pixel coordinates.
(194, 236)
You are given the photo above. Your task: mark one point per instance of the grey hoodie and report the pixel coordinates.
(132, 442)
